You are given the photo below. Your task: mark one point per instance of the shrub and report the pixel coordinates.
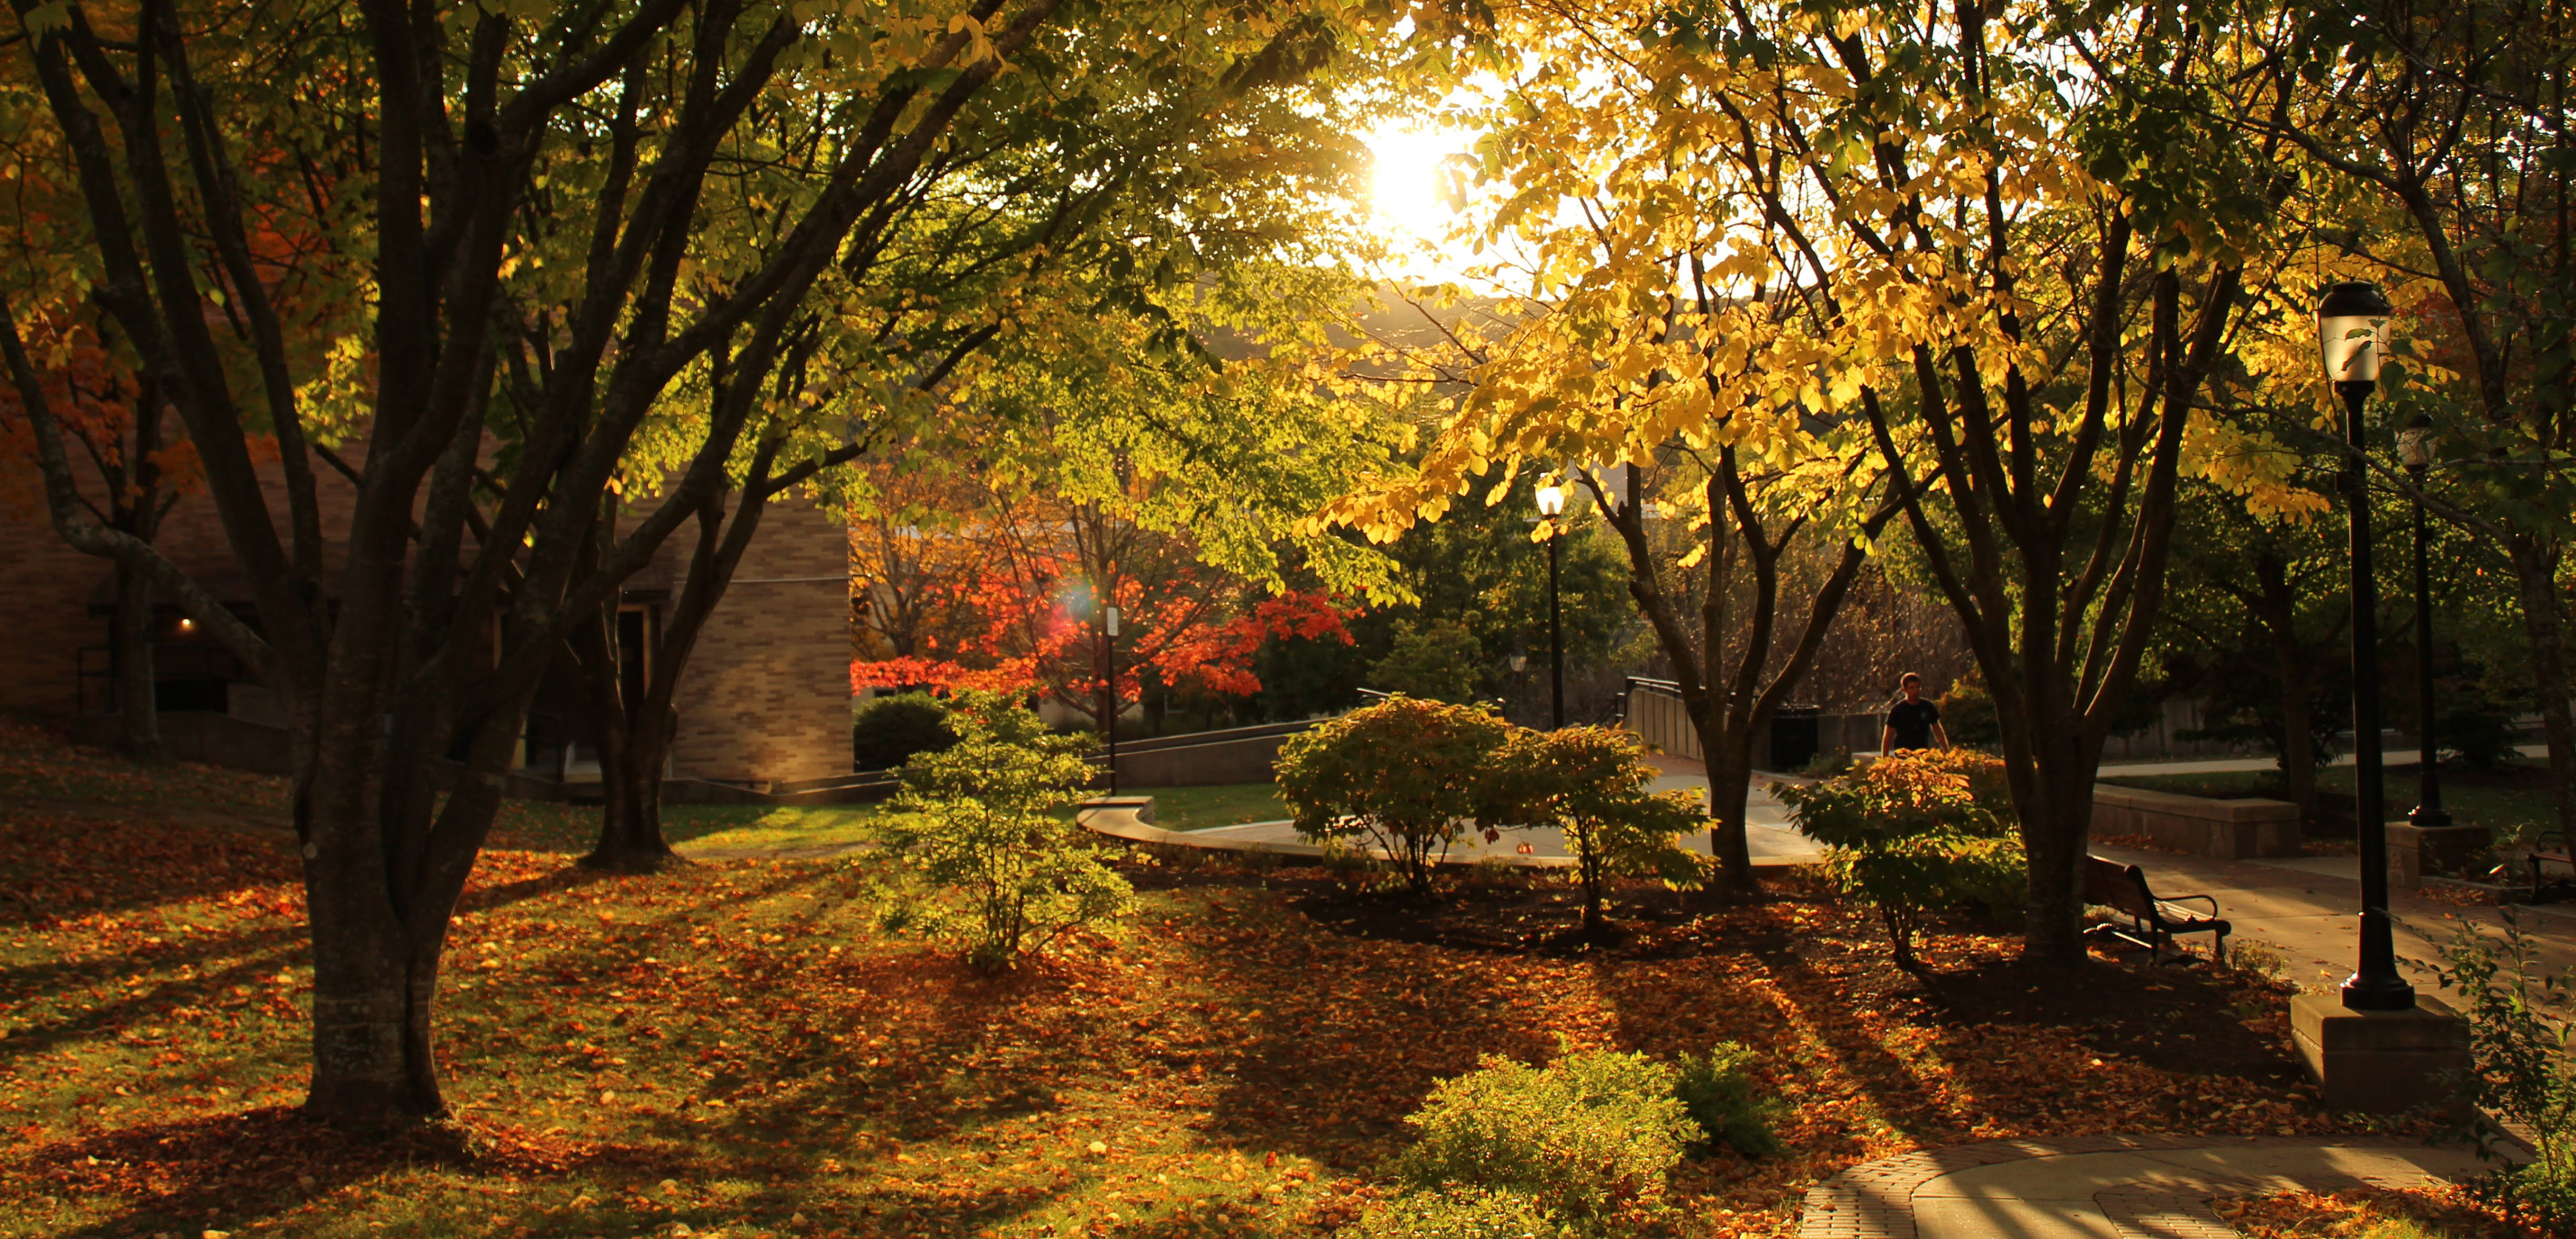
(1455, 1214)
(1587, 1138)
(2519, 1068)
(1590, 782)
(1400, 775)
(1717, 1090)
(974, 823)
(889, 730)
(1914, 834)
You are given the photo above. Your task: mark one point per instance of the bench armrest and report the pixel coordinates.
(2182, 899)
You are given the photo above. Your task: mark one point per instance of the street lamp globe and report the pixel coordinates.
(1551, 500)
(2350, 324)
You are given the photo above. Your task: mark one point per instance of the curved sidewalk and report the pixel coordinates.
(1770, 839)
(2103, 1187)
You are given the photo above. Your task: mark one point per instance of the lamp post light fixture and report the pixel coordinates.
(2349, 321)
(2415, 451)
(1551, 505)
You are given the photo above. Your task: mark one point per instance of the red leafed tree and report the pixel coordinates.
(1024, 613)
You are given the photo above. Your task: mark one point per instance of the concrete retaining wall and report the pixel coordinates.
(2227, 829)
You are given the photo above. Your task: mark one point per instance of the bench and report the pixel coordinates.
(2543, 891)
(2149, 920)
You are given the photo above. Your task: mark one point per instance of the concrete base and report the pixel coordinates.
(2380, 1062)
(2412, 850)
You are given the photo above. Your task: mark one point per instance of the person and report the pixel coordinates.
(1912, 723)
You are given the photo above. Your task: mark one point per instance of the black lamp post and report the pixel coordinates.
(1551, 504)
(2348, 326)
(2415, 448)
(1109, 695)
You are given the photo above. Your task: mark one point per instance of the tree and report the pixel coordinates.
(1035, 232)
(2033, 413)
(120, 426)
(1591, 783)
(2257, 626)
(1433, 661)
(978, 819)
(2455, 116)
(717, 169)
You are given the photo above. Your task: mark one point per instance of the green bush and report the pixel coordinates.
(1913, 834)
(1717, 1090)
(1455, 1214)
(1400, 775)
(997, 871)
(2519, 1035)
(889, 730)
(1590, 782)
(1587, 1138)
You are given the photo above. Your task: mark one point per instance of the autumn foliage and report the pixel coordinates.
(1013, 604)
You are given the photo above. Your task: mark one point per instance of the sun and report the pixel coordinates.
(1406, 195)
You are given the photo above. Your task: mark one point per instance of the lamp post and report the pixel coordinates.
(1551, 504)
(1109, 647)
(2415, 449)
(2348, 326)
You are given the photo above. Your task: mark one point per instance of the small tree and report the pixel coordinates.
(1590, 782)
(2519, 1071)
(1913, 834)
(1402, 774)
(975, 821)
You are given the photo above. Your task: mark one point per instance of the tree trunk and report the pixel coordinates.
(630, 827)
(2278, 611)
(1729, 758)
(2544, 620)
(138, 714)
(2052, 774)
(2298, 733)
(2058, 844)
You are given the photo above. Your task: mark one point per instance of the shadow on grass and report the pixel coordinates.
(182, 1173)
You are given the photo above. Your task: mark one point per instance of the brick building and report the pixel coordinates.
(766, 698)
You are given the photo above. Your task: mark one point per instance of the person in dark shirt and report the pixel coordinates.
(1912, 723)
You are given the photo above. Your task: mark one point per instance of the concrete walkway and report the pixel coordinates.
(1769, 836)
(2307, 910)
(2103, 1187)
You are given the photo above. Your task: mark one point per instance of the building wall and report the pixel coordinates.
(766, 696)
(47, 589)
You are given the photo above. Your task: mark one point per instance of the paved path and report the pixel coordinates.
(2102, 1187)
(2306, 909)
(1768, 834)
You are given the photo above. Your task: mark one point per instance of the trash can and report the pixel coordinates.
(1794, 737)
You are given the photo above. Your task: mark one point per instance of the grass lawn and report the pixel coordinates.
(1198, 808)
(2514, 802)
(736, 1045)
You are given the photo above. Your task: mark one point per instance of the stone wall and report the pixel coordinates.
(766, 697)
(2227, 829)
